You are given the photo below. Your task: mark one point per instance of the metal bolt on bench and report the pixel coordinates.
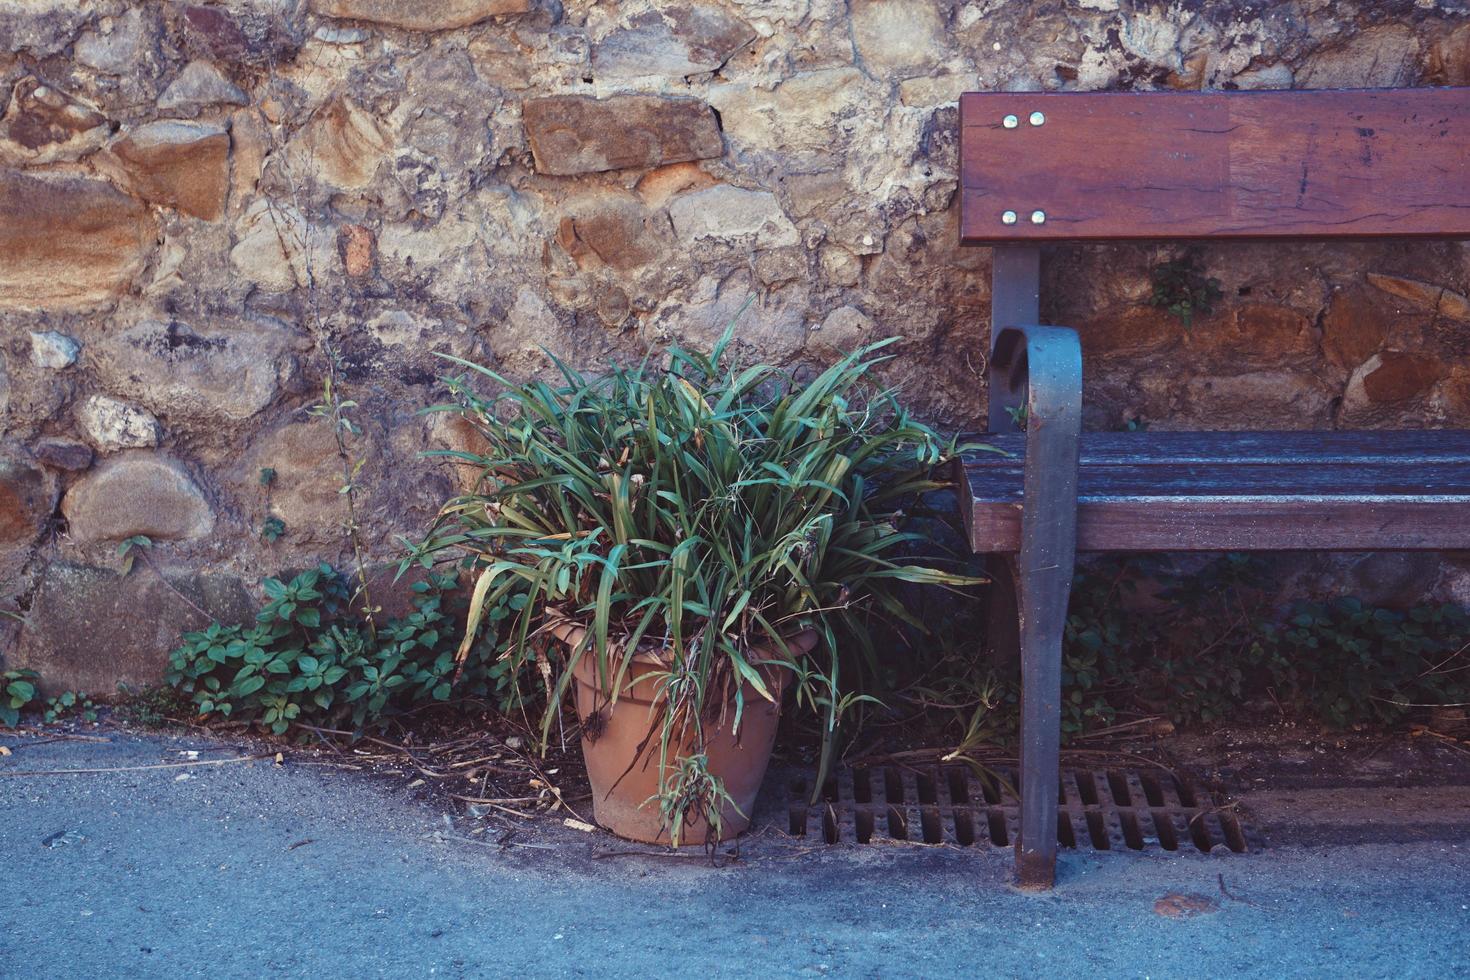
(1184, 166)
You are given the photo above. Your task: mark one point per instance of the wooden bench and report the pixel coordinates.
(1050, 168)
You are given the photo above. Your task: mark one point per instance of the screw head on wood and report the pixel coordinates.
(1008, 217)
(1038, 217)
(1010, 122)
(1037, 118)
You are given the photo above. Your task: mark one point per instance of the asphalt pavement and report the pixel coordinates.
(253, 869)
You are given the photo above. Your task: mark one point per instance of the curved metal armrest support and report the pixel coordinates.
(1041, 368)
(1034, 360)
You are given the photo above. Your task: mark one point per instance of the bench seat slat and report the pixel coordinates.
(1308, 447)
(1177, 491)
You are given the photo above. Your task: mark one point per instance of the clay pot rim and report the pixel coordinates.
(568, 631)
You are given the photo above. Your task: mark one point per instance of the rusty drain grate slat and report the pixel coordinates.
(1105, 810)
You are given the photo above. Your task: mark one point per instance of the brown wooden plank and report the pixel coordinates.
(1205, 481)
(1247, 165)
(1271, 524)
(1249, 491)
(1319, 447)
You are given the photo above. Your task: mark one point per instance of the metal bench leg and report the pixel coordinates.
(1049, 361)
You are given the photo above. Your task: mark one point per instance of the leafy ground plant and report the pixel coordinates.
(17, 693)
(706, 509)
(307, 661)
(1144, 640)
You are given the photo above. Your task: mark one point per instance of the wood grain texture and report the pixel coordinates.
(1243, 165)
(1246, 491)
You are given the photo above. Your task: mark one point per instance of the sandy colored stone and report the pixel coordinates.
(180, 164)
(1267, 399)
(1257, 332)
(1353, 328)
(112, 424)
(840, 267)
(898, 38)
(694, 38)
(843, 331)
(939, 90)
(1424, 295)
(278, 250)
(141, 618)
(68, 242)
(223, 373)
(27, 499)
(308, 474)
(43, 124)
(359, 249)
(127, 41)
(1449, 58)
(1399, 376)
(1130, 333)
(733, 214)
(806, 112)
(576, 135)
(1380, 57)
(200, 84)
(249, 144)
(619, 232)
(343, 144)
(419, 15)
(137, 493)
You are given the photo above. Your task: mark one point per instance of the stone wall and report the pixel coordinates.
(199, 202)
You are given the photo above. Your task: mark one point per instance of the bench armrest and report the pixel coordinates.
(1038, 369)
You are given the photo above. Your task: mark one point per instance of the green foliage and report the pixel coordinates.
(67, 703)
(306, 660)
(1353, 663)
(130, 549)
(1198, 648)
(17, 693)
(1183, 289)
(152, 707)
(272, 528)
(710, 509)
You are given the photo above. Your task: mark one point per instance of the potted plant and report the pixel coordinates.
(694, 539)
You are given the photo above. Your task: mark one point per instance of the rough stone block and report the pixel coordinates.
(575, 135)
(181, 164)
(42, 124)
(68, 242)
(112, 424)
(52, 350)
(224, 373)
(343, 145)
(420, 15)
(27, 499)
(693, 39)
(732, 213)
(90, 630)
(200, 84)
(137, 493)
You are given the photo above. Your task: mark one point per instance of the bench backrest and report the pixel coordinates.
(1108, 166)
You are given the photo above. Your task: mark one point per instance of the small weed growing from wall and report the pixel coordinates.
(1182, 288)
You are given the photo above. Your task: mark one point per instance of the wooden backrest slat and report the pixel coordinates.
(1231, 165)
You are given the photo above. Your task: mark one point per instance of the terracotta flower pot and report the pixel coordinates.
(625, 780)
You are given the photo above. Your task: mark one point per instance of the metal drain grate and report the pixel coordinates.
(1110, 810)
